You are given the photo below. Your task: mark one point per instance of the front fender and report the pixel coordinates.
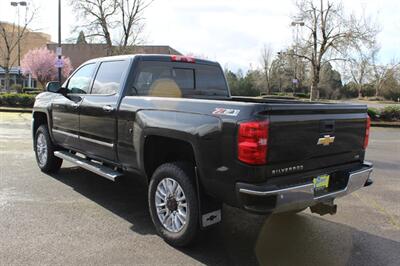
(43, 105)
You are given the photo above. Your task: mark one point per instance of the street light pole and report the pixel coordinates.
(296, 24)
(18, 4)
(59, 40)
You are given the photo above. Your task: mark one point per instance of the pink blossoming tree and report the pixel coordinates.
(40, 63)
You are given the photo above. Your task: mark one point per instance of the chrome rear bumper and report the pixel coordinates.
(301, 196)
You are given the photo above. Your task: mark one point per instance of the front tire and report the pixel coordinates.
(44, 151)
(173, 203)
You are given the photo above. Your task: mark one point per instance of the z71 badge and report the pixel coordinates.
(223, 111)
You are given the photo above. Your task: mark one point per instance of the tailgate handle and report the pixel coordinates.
(327, 126)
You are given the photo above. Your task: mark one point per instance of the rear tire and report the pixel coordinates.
(176, 216)
(44, 151)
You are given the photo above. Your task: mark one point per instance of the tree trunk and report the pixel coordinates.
(359, 91)
(107, 38)
(42, 84)
(377, 88)
(314, 93)
(6, 68)
(7, 78)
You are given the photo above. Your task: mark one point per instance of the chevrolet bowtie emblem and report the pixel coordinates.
(325, 140)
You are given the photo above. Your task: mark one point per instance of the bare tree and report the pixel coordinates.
(266, 61)
(107, 19)
(359, 66)
(329, 33)
(132, 20)
(10, 36)
(98, 15)
(381, 72)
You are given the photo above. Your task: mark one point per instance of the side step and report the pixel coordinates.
(99, 169)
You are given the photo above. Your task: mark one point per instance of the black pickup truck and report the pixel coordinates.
(172, 120)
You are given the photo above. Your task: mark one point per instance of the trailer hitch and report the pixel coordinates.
(323, 208)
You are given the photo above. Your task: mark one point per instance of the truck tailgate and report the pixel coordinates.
(316, 135)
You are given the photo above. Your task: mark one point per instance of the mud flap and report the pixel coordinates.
(210, 209)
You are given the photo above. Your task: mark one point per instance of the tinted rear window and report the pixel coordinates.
(210, 80)
(184, 77)
(178, 79)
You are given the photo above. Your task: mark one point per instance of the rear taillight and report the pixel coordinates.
(180, 58)
(253, 142)
(367, 131)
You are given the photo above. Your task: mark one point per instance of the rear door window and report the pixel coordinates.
(108, 77)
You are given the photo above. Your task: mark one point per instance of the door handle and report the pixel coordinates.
(108, 108)
(327, 126)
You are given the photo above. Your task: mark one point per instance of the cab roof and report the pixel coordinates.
(154, 57)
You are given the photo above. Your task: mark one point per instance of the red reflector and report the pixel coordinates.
(367, 132)
(180, 58)
(253, 142)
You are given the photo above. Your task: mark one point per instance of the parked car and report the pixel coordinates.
(173, 120)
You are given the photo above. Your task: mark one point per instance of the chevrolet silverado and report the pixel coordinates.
(172, 120)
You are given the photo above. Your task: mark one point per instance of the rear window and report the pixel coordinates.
(184, 77)
(168, 79)
(211, 80)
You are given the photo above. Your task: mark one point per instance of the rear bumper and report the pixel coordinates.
(266, 199)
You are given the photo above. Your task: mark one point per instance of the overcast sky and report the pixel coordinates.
(229, 31)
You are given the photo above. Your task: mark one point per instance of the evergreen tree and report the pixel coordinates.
(81, 38)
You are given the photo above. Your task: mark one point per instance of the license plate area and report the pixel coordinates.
(321, 184)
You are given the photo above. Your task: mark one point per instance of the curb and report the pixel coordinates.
(15, 109)
(386, 124)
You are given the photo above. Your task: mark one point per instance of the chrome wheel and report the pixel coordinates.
(41, 149)
(171, 205)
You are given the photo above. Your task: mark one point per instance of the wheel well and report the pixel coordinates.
(159, 150)
(39, 119)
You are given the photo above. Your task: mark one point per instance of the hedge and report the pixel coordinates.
(391, 113)
(17, 99)
(388, 113)
(374, 113)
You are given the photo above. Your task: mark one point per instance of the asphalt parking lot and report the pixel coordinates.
(76, 217)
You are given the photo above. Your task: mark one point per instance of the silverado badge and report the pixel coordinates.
(326, 140)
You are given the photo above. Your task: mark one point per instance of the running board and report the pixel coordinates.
(99, 169)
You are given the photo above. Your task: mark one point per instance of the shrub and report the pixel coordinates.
(392, 93)
(391, 113)
(17, 99)
(368, 90)
(31, 90)
(302, 95)
(374, 113)
(378, 98)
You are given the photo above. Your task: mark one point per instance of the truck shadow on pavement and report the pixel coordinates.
(243, 238)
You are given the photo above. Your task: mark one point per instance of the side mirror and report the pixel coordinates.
(53, 86)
